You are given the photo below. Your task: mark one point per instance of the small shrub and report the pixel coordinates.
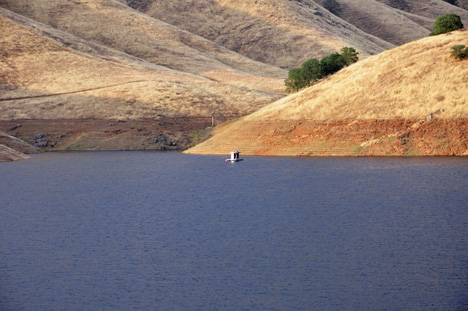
(332, 6)
(452, 2)
(459, 51)
(446, 23)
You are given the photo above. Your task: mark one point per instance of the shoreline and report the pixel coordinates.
(344, 138)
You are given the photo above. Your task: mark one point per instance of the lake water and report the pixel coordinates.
(168, 231)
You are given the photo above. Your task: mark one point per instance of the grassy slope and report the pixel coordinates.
(396, 21)
(408, 82)
(115, 25)
(428, 8)
(424, 12)
(46, 73)
(463, 4)
(382, 21)
(279, 32)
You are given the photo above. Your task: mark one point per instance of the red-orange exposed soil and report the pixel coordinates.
(437, 137)
(343, 138)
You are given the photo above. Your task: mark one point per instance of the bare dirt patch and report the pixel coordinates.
(341, 138)
(147, 134)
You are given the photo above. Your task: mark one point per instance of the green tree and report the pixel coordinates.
(332, 6)
(446, 23)
(295, 80)
(332, 63)
(350, 55)
(459, 51)
(311, 71)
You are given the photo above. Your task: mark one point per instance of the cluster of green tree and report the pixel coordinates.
(332, 6)
(459, 51)
(313, 70)
(446, 23)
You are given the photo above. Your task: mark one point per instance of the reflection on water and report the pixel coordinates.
(167, 231)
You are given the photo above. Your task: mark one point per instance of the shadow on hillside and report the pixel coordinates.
(254, 37)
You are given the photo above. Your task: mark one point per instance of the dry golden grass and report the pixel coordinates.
(410, 82)
(463, 4)
(383, 21)
(162, 69)
(46, 74)
(429, 8)
(279, 32)
(115, 25)
(286, 33)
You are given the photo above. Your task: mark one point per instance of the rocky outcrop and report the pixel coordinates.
(162, 133)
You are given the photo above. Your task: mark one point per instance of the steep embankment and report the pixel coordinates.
(7, 154)
(13, 149)
(282, 33)
(412, 100)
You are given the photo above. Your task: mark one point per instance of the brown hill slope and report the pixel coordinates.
(48, 74)
(115, 25)
(396, 21)
(279, 32)
(410, 100)
(429, 8)
(382, 21)
(463, 4)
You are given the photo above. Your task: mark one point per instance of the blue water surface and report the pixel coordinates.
(169, 231)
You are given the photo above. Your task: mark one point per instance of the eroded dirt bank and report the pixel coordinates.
(83, 135)
(436, 137)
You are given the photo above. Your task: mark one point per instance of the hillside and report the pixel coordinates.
(429, 8)
(397, 21)
(409, 100)
(383, 21)
(286, 33)
(117, 26)
(147, 74)
(50, 74)
(282, 33)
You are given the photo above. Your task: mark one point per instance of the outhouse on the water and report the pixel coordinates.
(234, 156)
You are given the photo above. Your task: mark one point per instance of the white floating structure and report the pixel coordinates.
(234, 157)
